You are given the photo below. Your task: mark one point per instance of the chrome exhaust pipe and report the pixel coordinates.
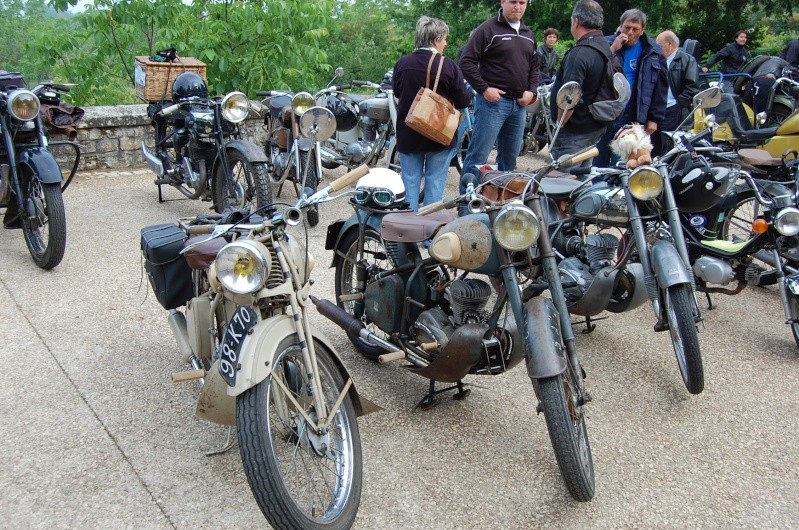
(177, 322)
(156, 166)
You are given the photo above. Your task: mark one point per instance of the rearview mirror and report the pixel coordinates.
(569, 95)
(708, 98)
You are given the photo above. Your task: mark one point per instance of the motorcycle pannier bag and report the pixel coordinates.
(167, 270)
(431, 114)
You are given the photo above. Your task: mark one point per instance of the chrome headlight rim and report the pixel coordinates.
(252, 260)
(235, 107)
(23, 105)
(523, 233)
(302, 101)
(787, 222)
(645, 183)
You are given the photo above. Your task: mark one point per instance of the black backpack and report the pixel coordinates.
(606, 107)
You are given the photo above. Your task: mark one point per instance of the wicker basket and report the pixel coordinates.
(154, 80)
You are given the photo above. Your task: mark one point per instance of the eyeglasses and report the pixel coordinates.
(379, 196)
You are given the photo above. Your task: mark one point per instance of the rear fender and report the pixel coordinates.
(547, 354)
(667, 264)
(260, 348)
(42, 164)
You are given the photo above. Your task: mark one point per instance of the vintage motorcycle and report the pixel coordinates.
(459, 311)
(538, 127)
(199, 150)
(243, 282)
(30, 178)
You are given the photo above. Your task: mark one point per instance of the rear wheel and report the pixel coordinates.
(793, 303)
(565, 419)
(778, 114)
(352, 277)
(682, 328)
(44, 221)
(249, 186)
(460, 155)
(300, 478)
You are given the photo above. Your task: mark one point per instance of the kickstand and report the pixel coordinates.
(709, 302)
(230, 442)
(431, 399)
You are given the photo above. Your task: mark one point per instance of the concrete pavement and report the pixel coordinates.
(94, 435)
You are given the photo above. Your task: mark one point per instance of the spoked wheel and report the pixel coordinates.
(793, 303)
(394, 162)
(737, 225)
(565, 419)
(778, 114)
(460, 156)
(311, 181)
(44, 221)
(351, 278)
(682, 328)
(300, 478)
(250, 186)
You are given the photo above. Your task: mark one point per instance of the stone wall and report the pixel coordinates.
(110, 137)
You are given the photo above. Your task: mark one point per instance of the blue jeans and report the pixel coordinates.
(606, 158)
(501, 123)
(434, 166)
(568, 143)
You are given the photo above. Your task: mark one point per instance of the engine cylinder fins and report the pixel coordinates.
(601, 247)
(469, 297)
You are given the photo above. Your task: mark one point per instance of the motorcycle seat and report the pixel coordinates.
(559, 187)
(407, 227)
(758, 157)
(203, 254)
(758, 135)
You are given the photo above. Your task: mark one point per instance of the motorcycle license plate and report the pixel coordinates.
(237, 329)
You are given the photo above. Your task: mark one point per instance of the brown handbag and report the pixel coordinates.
(432, 115)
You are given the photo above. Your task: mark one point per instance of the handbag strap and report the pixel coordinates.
(438, 73)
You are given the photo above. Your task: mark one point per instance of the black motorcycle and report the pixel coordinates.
(199, 150)
(31, 182)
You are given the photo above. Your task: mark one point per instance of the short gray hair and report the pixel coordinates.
(589, 14)
(634, 15)
(429, 30)
(671, 37)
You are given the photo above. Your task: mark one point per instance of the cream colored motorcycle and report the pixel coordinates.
(237, 290)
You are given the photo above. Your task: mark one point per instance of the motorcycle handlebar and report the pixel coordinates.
(358, 82)
(166, 111)
(270, 93)
(349, 178)
(567, 161)
(438, 206)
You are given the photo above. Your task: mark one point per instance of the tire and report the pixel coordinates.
(394, 162)
(682, 328)
(793, 303)
(46, 232)
(251, 187)
(737, 225)
(568, 434)
(375, 255)
(311, 181)
(778, 114)
(460, 156)
(284, 461)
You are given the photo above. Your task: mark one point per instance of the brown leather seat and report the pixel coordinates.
(202, 255)
(407, 227)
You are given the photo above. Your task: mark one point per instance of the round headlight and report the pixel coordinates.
(787, 222)
(516, 227)
(235, 107)
(645, 183)
(301, 102)
(24, 105)
(242, 266)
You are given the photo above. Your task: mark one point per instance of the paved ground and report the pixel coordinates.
(94, 435)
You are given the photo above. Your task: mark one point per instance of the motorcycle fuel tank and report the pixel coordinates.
(466, 243)
(607, 205)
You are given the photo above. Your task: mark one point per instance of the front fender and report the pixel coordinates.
(251, 151)
(260, 348)
(42, 164)
(337, 230)
(547, 354)
(667, 264)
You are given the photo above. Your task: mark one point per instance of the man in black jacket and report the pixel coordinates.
(683, 76)
(585, 65)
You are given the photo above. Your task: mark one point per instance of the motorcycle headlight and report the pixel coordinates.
(645, 183)
(516, 227)
(787, 222)
(23, 105)
(242, 266)
(235, 107)
(301, 102)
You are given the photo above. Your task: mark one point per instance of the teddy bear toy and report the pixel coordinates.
(631, 143)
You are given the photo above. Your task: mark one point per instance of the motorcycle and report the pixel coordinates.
(759, 90)
(242, 281)
(31, 182)
(199, 150)
(603, 272)
(459, 311)
(538, 126)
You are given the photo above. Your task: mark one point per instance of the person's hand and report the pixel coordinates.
(492, 94)
(527, 98)
(704, 69)
(619, 42)
(650, 127)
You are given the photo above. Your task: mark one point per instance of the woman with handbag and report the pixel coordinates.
(427, 68)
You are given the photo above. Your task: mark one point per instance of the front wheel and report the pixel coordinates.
(565, 419)
(44, 221)
(460, 155)
(793, 303)
(682, 328)
(249, 185)
(300, 478)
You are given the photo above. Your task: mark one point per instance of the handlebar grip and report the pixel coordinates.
(434, 207)
(166, 111)
(589, 152)
(262, 93)
(199, 229)
(358, 82)
(345, 86)
(349, 178)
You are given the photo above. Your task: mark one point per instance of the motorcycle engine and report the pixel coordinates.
(467, 299)
(357, 151)
(280, 161)
(577, 273)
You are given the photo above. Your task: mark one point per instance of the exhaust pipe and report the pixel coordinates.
(156, 166)
(177, 321)
(349, 323)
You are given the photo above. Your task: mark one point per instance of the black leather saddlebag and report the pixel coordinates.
(169, 274)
